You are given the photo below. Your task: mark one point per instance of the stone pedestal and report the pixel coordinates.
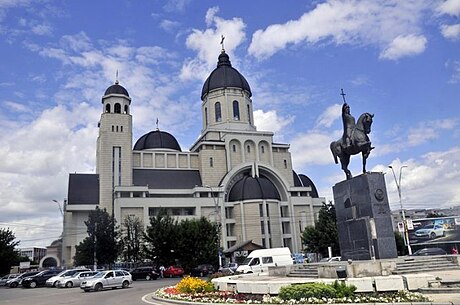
(364, 218)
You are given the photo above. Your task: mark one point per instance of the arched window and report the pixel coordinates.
(211, 162)
(126, 109)
(117, 108)
(234, 147)
(249, 149)
(218, 112)
(107, 108)
(262, 148)
(236, 111)
(249, 114)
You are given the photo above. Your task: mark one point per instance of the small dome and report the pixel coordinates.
(253, 188)
(302, 180)
(116, 89)
(225, 76)
(157, 139)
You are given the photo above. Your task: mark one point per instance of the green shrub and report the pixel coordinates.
(343, 290)
(307, 290)
(316, 290)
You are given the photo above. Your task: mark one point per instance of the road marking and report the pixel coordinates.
(144, 299)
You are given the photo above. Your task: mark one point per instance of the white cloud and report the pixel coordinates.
(403, 46)
(450, 7)
(41, 29)
(328, 117)
(271, 121)
(312, 148)
(430, 130)
(375, 23)
(169, 25)
(176, 5)
(201, 41)
(454, 65)
(451, 32)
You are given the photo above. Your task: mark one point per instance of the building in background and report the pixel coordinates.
(233, 174)
(34, 254)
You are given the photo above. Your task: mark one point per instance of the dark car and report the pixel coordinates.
(13, 283)
(202, 270)
(430, 251)
(39, 279)
(147, 273)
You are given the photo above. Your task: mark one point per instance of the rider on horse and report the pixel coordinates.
(348, 126)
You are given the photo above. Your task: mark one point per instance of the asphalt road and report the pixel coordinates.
(75, 296)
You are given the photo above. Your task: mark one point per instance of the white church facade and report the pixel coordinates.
(233, 174)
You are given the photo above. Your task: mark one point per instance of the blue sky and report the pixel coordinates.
(399, 60)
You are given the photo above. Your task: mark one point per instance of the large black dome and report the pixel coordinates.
(253, 188)
(116, 89)
(225, 76)
(157, 139)
(303, 180)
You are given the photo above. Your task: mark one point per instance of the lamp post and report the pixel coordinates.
(63, 234)
(398, 186)
(217, 219)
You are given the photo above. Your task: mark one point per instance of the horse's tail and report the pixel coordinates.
(333, 152)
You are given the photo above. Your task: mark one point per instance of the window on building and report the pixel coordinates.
(206, 115)
(249, 114)
(211, 162)
(229, 213)
(236, 111)
(267, 207)
(261, 210)
(107, 108)
(117, 128)
(117, 108)
(234, 148)
(218, 111)
(262, 149)
(262, 227)
(126, 109)
(284, 211)
(285, 163)
(121, 128)
(113, 128)
(249, 149)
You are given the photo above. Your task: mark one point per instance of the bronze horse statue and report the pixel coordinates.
(360, 143)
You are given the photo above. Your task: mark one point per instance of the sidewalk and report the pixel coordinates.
(446, 298)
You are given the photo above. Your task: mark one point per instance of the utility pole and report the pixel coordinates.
(403, 214)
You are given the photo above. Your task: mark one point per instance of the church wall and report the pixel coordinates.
(147, 159)
(275, 224)
(213, 164)
(136, 159)
(171, 160)
(194, 161)
(252, 220)
(249, 151)
(264, 152)
(160, 161)
(235, 153)
(109, 138)
(283, 163)
(183, 161)
(133, 212)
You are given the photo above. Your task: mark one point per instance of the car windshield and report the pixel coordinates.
(99, 274)
(247, 260)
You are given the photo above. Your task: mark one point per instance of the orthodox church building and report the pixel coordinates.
(233, 174)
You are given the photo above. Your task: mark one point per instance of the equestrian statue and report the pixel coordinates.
(354, 140)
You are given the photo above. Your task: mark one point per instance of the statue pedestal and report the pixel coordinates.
(364, 218)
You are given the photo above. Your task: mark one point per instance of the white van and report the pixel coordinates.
(259, 260)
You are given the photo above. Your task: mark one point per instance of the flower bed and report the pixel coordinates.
(243, 298)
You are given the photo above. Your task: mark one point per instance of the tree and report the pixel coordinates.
(197, 243)
(161, 239)
(9, 256)
(324, 234)
(102, 237)
(132, 239)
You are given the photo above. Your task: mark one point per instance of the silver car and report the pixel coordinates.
(107, 279)
(75, 279)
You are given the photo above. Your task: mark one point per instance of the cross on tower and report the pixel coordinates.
(222, 43)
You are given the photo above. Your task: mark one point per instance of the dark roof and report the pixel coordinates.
(83, 189)
(116, 89)
(302, 180)
(245, 245)
(253, 188)
(225, 76)
(157, 139)
(166, 178)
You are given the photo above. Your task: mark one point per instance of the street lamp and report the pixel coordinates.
(217, 218)
(398, 186)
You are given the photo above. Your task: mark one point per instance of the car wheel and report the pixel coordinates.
(14, 285)
(432, 235)
(68, 285)
(147, 277)
(86, 290)
(170, 275)
(125, 284)
(98, 287)
(33, 284)
(55, 284)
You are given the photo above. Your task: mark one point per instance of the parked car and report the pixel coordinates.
(429, 251)
(147, 273)
(38, 279)
(173, 271)
(7, 277)
(331, 259)
(107, 279)
(13, 283)
(53, 281)
(430, 231)
(202, 270)
(75, 279)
